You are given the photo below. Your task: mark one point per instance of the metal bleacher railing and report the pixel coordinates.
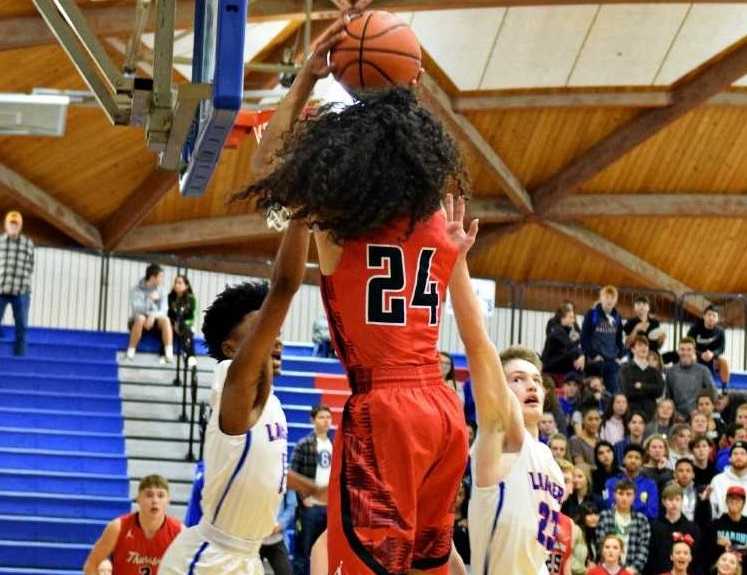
(77, 289)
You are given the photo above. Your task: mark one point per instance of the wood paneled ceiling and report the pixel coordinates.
(95, 167)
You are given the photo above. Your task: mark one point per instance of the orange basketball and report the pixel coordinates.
(379, 51)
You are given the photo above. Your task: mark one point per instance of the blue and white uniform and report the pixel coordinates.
(245, 478)
(513, 525)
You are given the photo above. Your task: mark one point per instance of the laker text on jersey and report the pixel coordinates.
(542, 482)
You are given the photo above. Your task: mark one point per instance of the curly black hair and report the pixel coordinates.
(355, 170)
(227, 311)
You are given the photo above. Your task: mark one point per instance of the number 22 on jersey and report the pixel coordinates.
(386, 293)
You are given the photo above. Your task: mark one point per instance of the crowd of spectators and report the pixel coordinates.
(656, 451)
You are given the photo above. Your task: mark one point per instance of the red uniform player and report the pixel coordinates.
(137, 541)
(370, 179)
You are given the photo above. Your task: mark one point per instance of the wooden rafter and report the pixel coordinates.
(714, 76)
(488, 237)
(137, 206)
(32, 198)
(463, 130)
(202, 232)
(619, 256)
(272, 52)
(490, 211)
(613, 97)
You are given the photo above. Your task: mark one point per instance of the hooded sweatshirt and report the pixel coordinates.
(142, 302)
(719, 486)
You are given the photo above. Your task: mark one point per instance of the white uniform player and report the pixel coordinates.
(245, 478)
(513, 524)
(517, 487)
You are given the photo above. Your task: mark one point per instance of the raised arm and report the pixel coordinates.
(245, 391)
(499, 417)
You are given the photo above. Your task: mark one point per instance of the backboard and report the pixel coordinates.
(218, 59)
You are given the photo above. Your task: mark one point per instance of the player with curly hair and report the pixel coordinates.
(370, 178)
(246, 471)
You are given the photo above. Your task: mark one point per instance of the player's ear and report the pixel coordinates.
(228, 349)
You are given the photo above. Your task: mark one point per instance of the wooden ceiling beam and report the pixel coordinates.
(200, 232)
(32, 198)
(466, 134)
(614, 97)
(231, 265)
(137, 206)
(631, 263)
(714, 76)
(494, 211)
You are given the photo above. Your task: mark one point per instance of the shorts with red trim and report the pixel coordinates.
(399, 457)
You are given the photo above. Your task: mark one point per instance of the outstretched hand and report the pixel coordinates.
(462, 238)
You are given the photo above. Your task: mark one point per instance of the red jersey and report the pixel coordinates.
(561, 554)
(385, 297)
(134, 553)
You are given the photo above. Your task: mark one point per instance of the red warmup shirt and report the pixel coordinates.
(385, 298)
(561, 554)
(134, 553)
(600, 570)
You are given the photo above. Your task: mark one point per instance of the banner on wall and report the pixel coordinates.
(485, 290)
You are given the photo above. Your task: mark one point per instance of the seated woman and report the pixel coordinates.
(182, 307)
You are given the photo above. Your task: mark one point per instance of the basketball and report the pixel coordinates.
(379, 51)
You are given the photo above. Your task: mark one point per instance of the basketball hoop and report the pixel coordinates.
(254, 121)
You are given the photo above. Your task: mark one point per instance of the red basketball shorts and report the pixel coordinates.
(399, 457)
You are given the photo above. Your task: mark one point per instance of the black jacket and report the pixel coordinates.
(652, 388)
(561, 349)
(660, 550)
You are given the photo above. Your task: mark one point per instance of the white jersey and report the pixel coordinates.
(245, 478)
(513, 525)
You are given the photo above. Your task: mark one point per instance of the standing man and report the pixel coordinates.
(641, 383)
(16, 267)
(312, 458)
(687, 379)
(602, 337)
(149, 308)
(137, 541)
(644, 324)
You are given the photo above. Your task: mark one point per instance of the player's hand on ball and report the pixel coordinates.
(319, 65)
(462, 238)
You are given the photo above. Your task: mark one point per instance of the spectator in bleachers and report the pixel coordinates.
(643, 324)
(716, 425)
(636, 429)
(628, 524)
(275, 546)
(612, 549)
(663, 419)
(701, 448)
(728, 564)
(555, 319)
(601, 337)
(562, 352)
(581, 446)
(570, 402)
(312, 458)
(664, 530)
(588, 520)
(16, 267)
(595, 392)
(694, 506)
(552, 404)
(679, 443)
(646, 492)
(321, 339)
(682, 556)
(729, 530)
(615, 419)
(699, 424)
(559, 446)
(656, 461)
(149, 308)
(727, 405)
(734, 475)
(687, 379)
(710, 344)
(606, 466)
(182, 309)
(547, 427)
(735, 432)
(639, 381)
(582, 491)
(138, 539)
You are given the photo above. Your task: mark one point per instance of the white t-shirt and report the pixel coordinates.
(623, 523)
(323, 464)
